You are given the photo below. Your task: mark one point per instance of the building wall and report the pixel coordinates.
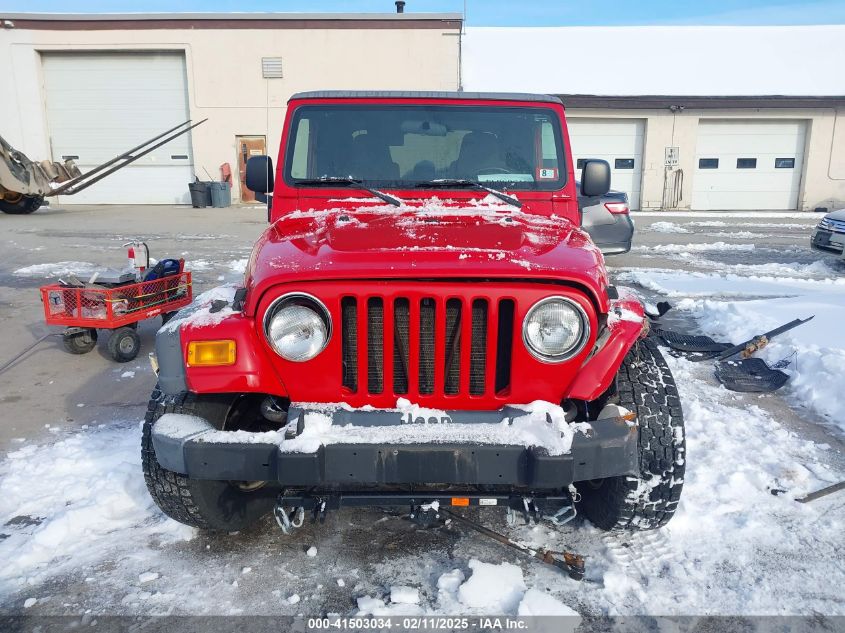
(225, 82)
(823, 178)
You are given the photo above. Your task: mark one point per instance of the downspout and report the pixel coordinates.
(461, 50)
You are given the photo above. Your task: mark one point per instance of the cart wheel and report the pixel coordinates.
(124, 344)
(80, 341)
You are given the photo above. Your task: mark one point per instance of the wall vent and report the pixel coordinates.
(271, 67)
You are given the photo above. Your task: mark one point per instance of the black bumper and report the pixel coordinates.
(610, 449)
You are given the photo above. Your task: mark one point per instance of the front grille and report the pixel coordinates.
(829, 224)
(427, 346)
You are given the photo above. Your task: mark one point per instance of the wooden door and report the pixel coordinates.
(248, 146)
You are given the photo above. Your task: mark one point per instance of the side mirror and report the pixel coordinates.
(259, 174)
(595, 177)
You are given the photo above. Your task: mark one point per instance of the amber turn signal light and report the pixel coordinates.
(211, 353)
(460, 501)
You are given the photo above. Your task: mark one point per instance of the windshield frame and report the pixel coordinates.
(534, 186)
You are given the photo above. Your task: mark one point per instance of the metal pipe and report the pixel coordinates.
(126, 154)
(132, 159)
(572, 564)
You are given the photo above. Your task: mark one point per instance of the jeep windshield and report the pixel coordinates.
(410, 146)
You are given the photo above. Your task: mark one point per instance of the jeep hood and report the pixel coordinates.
(432, 241)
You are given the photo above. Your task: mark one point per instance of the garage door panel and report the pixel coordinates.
(737, 200)
(761, 187)
(736, 144)
(611, 139)
(101, 104)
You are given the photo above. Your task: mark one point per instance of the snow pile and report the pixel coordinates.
(403, 601)
(699, 284)
(73, 502)
(496, 590)
(816, 349)
(536, 602)
(779, 215)
(198, 265)
(492, 588)
(816, 269)
(238, 265)
(666, 227)
(450, 581)
(401, 594)
(59, 269)
(696, 247)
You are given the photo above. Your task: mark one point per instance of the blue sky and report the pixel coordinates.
(500, 12)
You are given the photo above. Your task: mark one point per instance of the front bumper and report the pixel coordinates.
(828, 241)
(199, 451)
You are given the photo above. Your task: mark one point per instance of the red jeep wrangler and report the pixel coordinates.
(422, 321)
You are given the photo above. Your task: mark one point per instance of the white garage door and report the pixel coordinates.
(748, 164)
(100, 105)
(619, 142)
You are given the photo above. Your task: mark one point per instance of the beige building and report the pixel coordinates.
(91, 87)
(689, 117)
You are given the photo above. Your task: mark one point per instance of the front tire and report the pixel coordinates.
(205, 504)
(647, 502)
(24, 205)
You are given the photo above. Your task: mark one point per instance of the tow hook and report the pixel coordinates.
(566, 513)
(288, 519)
(426, 515)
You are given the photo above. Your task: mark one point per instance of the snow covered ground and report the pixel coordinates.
(79, 533)
(85, 530)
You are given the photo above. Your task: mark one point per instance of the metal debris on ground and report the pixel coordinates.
(750, 375)
(745, 374)
(818, 494)
(572, 564)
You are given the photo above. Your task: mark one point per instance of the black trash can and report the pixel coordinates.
(200, 194)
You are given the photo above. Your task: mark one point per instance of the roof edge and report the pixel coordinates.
(141, 17)
(700, 101)
(426, 94)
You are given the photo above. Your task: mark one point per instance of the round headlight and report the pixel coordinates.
(297, 326)
(555, 329)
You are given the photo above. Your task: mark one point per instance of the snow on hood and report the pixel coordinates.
(435, 225)
(438, 238)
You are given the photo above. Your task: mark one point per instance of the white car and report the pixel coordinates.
(829, 234)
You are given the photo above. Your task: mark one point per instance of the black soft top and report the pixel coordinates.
(423, 94)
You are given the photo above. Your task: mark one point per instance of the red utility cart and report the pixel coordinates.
(119, 308)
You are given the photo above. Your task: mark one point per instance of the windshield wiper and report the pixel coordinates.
(463, 182)
(349, 180)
